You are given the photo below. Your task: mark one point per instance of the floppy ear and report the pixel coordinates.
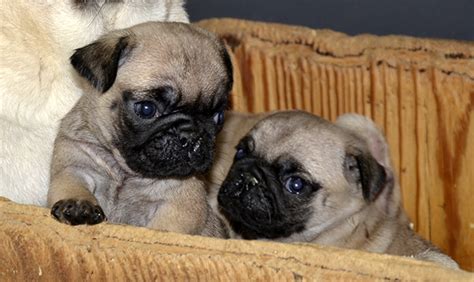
(371, 167)
(368, 131)
(99, 61)
(363, 168)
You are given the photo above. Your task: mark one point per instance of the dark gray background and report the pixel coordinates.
(452, 19)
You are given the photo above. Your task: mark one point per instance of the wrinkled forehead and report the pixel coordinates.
(189, 62)
(318, 140)
(317, 145)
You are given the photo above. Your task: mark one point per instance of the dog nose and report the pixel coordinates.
(180, 124)
(185, 125)
(186, 132)
(252, 177)
(174, 123)
(249, 180)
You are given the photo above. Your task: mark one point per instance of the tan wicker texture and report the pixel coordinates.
(35, 247)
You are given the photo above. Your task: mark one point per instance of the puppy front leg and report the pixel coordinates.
(71, 202)
(183, 211)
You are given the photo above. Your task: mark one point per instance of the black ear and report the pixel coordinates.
(228, 66)
(98, 62)
(363, 168)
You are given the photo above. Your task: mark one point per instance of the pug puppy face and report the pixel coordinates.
(152, 105)
(296, 175)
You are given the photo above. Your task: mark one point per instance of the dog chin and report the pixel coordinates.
(254, 216)
(249, 228)
(172, 156)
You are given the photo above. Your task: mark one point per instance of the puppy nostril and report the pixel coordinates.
(184, 142)
(197, 145)
(253, 181)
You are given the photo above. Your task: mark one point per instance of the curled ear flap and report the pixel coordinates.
(362, 168)
(368, 131)
(369, 162)
(99, 61)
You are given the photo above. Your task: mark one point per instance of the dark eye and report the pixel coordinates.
(241, 152)
(294, 185)
(219, 118)
(145, 109)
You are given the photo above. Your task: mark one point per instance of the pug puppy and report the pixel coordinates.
(133, 147)
(299, 178)
(37, 83)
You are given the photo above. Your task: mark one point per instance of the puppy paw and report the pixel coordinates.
(76, 212)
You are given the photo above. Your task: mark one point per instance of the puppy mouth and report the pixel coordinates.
(250, 224)
(250, 208)
(255, 217)
(252, 201)
(173, 153)
(248, 201)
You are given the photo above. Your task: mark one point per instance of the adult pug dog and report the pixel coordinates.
(37, 83)
(299, 178)
(132, 145)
